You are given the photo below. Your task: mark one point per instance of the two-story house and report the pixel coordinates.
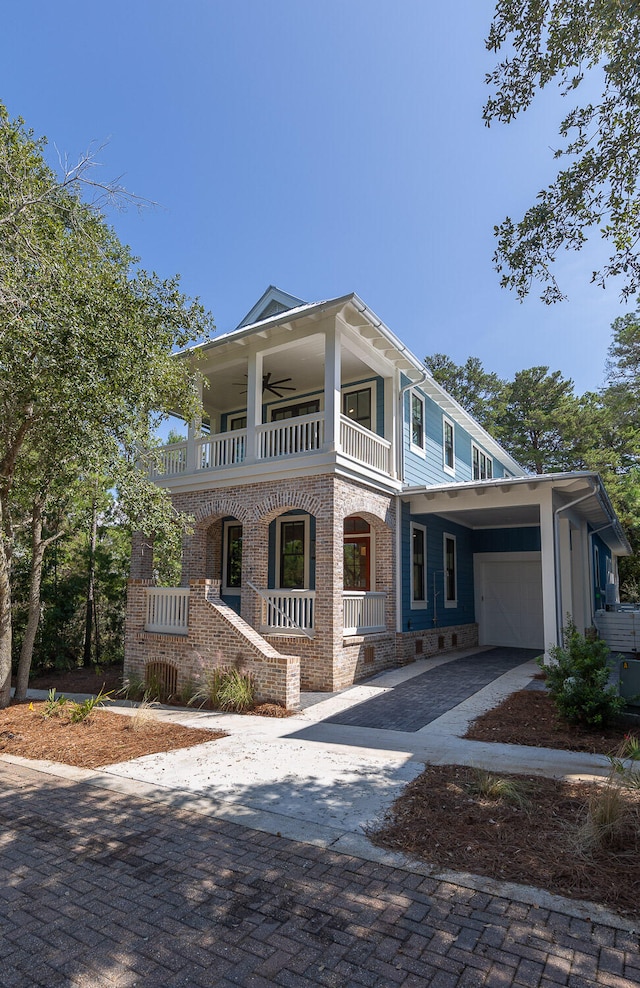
(350, 516)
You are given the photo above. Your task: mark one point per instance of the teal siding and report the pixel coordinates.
(423, 618)
(601, 556)
(507, 539)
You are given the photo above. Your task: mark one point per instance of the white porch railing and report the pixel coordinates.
(171, 460)
(364, 446)
(168, 610)
(363, 612)
(290, 436)
(287, 612)
(222, 450)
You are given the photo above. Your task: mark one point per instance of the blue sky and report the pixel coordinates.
(321, 147)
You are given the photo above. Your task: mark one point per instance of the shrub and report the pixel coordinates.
(80, 712)
(578, 680)
(236, 692)
(225, 689)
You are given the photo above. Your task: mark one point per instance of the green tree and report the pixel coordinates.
(564, 42)
(85, 362)
(535, 422)
(477, 390)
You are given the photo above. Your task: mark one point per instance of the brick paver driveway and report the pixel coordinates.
(423, 698)
(100, 889)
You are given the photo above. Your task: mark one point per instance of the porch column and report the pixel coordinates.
(193, 433)
(332, 396)
(565, 603)
(549, 591)
(254, 405)
(390, 423)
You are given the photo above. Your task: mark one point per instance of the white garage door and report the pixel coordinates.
(509, 601)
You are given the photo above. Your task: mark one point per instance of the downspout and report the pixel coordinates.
(400, 448)
(556, 558)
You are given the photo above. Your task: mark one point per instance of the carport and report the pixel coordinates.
(534, 543)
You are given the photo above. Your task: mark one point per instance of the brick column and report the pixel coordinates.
(255, 567)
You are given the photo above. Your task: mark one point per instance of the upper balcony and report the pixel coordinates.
(306, 395)
(293, 438)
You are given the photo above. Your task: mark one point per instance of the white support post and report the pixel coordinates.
(549, 621)
(332, 396)
(193, 433)
(564, 567)
(254, 406)
(390, 427)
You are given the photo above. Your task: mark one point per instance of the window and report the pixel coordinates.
(418, 566)
(481, 463)
(293, 553)
(295, 411)
(357, 554)
(417, 421)
(450, 572)
(447, 446)
(238, 422)
(232, 574)
(356, 405)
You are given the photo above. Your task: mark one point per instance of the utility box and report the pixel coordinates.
(630, 681)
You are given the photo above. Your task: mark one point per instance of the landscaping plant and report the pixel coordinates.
(578, 680)
(82, 711)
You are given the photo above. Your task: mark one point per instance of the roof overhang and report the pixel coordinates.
(515, 501)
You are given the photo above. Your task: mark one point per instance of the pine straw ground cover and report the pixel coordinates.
(521, 828)
(102, 739)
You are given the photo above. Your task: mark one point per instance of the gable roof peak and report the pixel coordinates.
(270, 303)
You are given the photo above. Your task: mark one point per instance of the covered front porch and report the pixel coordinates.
(307, 572)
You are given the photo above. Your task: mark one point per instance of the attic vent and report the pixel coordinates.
(273, 308)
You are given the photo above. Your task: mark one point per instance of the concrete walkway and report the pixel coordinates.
(243, 861)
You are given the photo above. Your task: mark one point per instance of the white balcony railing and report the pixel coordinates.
(287, 612)
(171, 460)
(168, 610)
(365, 446)
(222, 450)
(363, 612)
(290, 436)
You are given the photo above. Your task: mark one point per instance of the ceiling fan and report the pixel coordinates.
(273, 386)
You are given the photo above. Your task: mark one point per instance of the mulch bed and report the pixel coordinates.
(529, 717)
(440, 818)
(103, 739)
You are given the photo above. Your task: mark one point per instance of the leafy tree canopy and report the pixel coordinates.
(85, 355)
(563, 41)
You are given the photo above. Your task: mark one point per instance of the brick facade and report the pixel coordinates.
(217, 637)
(330, 660)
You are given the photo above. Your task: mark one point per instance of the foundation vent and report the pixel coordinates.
(419, 646)
(454, 640)
(369, 655)
(440, 641)
(161, 679)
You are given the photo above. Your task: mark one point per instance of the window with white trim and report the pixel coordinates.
(418, 566)
(450, 571)
(481, 463)
(356, 405)
(448, 451)
(292, 552)
(416, 406)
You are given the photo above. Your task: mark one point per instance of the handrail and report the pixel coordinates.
(290, 621)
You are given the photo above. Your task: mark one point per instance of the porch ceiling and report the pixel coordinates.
(302, 361)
